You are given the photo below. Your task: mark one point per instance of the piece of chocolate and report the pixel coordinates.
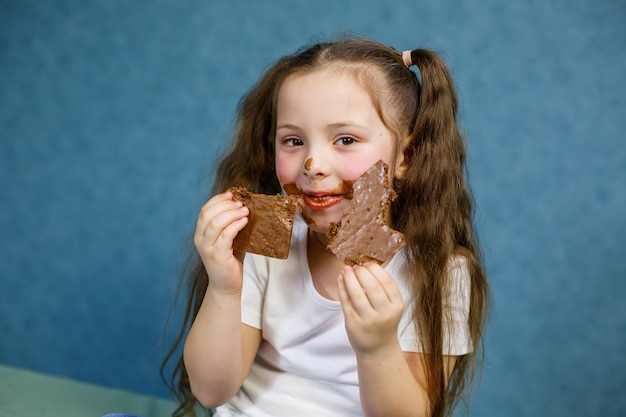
(362, 234)
(270, 221)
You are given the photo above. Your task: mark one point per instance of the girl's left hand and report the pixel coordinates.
(372, 306)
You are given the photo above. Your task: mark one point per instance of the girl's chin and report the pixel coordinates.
(317, 223)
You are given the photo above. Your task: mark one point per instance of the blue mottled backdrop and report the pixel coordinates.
(112, 113)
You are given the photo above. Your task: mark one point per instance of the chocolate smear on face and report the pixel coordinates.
(292, 189)
(346, 189)
(307, 219)
(362, 234)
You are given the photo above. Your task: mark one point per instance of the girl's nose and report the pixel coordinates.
(313, 167)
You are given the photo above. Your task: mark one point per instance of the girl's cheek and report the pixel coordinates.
(352, 172)
(283, 170)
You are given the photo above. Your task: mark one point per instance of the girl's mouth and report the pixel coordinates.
(321, 202)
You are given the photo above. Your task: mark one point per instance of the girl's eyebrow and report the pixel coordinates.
(346, 124)
(339, 125)
(286, 126)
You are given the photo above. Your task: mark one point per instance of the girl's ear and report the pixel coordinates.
(401, 166)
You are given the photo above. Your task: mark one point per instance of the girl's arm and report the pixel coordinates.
(219, 349)
(395, 384)
(391, 382)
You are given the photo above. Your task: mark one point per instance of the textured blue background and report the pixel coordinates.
(112, 113)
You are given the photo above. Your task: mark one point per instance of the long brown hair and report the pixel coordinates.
(434, 208)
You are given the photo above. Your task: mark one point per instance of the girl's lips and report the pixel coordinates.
(320, 202)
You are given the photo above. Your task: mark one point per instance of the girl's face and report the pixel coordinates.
(328, 133)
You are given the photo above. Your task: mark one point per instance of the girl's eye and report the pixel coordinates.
(293, 142)
(345, 140)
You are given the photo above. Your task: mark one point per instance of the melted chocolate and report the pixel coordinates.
(345, 189)
(292, 189)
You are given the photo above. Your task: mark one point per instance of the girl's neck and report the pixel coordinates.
(323, 266)
(320, 240)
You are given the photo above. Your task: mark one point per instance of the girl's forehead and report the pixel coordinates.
(342, 75)
(324, 85)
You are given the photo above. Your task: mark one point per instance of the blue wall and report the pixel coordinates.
(112, 113)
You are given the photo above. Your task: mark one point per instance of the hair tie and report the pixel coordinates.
(406, 58)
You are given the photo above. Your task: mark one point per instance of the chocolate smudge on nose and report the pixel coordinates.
(308, 163)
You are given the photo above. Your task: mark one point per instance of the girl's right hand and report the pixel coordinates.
(220, 219)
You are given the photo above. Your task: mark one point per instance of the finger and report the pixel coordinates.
(372, 287)
(214, 207)
(344, 298)
(223, 228)
(209, 210)
(385, 282)
(218, 218)
(356, 295)
(220, 200)
(217, 199)
(214, 251)
(227, 236)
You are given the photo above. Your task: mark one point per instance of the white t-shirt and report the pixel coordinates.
(305, 365)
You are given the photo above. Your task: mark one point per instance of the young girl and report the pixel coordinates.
(309, 336)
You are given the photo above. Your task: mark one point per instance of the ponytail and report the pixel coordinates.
(434, 210)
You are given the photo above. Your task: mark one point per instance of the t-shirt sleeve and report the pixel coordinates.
(253, 290)
(456, 300)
